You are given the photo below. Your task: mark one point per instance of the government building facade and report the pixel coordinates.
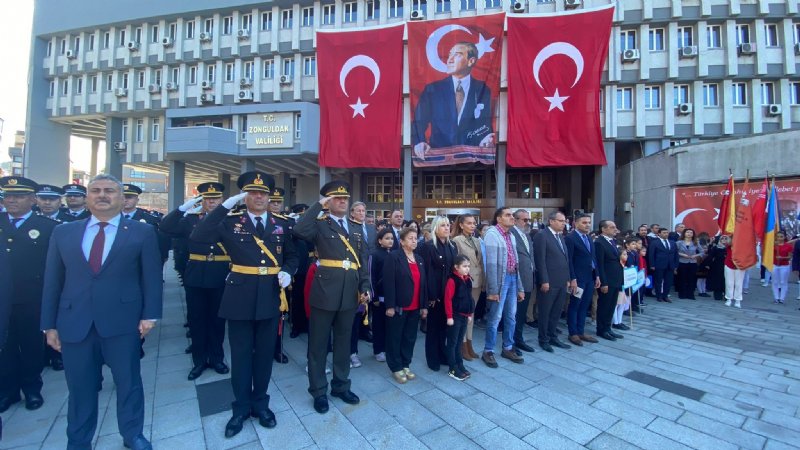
(203, 90)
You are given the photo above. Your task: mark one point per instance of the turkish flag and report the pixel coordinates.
(554, 68)
(360, 76)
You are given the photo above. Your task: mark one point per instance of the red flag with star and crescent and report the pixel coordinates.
(360, 76)
(554, 68)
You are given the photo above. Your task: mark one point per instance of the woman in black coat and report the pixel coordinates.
(437, 256)
(715, 267)
(385, 240)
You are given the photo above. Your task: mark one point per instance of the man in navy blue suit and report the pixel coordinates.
(583, 274)
(457, 108)
(662, 255)
(102, 293)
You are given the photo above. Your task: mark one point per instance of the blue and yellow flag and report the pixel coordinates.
(772, 227)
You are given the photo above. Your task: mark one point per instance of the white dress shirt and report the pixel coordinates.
(91, 231)
(23, 219)
(253, 218)
(341, 221)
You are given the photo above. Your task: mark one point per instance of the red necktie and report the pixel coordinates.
(96, 253)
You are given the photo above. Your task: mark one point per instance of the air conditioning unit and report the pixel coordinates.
(71, 54)
(245, 82)
(245, 95)
(684, 108)
(120, 146)
(154, 89)
(121, 92)
(167, 41)
(689, 51)
(286, 79)
(748, 48)
(133, 46)
(774, 110)
(518, 7)
(206, 98)
(172, 86)
(206, 85)
(205, 37)
(417, 15)
(572, 4)
(243, 34)
(630, 55)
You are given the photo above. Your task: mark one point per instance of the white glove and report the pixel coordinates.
(284, 279)
(189, 203)
(232, 201)
(195, 210)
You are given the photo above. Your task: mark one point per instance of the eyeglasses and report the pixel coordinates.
(525, 220)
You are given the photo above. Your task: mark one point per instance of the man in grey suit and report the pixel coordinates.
(358, 213)
(550, 256)
(521, 231)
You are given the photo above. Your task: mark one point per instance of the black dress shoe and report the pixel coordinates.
(321, 404)
(57, 365)
(138, 443)
(221, 368)
(434, 368)
(347, 396)
(546, 347)
(281, 358)
(559, 344)
(266, 418)
(534, 324)
(7, 402)
(608, 335)
(294, 334)
(615, 334)
(366, 336)
(33, 402)
(621, 326)
(524, 347)
(196, 371)
(234, 426)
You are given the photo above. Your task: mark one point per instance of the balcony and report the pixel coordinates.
(206, 141)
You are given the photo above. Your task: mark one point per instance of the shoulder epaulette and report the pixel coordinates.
(280, 216)
(235, 212)
(322, 216)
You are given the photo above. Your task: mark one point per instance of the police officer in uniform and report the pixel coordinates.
(263, 261)
(130, 210)
(204, 279)
(75, 197)
(24, 237)
(48, 199)
(340, 284)
(276, 198)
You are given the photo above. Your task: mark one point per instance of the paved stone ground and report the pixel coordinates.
(692, 374)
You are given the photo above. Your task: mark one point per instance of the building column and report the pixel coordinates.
(93, 162)
(177, 184)
(284, 179)
(408, 184)
(324, 176)
(500, 176)
(576, 189)
(604, 186)
(356, 187)
(248, 165)
(114, 158)
(225, 179)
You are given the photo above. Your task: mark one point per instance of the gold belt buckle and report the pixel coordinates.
(210, 258)
(263, 270)
(346, 264)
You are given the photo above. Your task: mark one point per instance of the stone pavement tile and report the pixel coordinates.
(764, 402)
(761, 368)
(656, 407)
(173, 387)
(110, 442)
(174, 363)
(772, 431)
(421, 383)
(621, 382)
(367, 417)
(571, 362)
(214, 431)
(177, 418)
(733, 435)
(191, 439)
(573, 407)
(688, 436)
(574, 428)
(630, 353)
(466, 421)
(643, 438)
(459, 389)
(296, 389)
(491, 387)
(333, 430)
(500, 438)
(734, 406)
(624, 411)
(289, 434)
(447, 437)
(720, 348)
(172, 346)
(776, 445)
(734, 384)
(685, 371)
(783, 420)
(369, 381)
(527, 371)
(608, 442)
(507, 377)
(569, 387)
(546, 438)
(706, 385)
(56, 435)
(712, 412)
(509, 419)
(754, 378)
(407, 412)
(604, 362)
(393, 437)
(255, 445)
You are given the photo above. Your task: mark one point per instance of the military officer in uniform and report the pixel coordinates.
(75, 197)
(204, 279)
(24, 237)
(130, 210)
(263, 261)
(341, 282)
(48, 199)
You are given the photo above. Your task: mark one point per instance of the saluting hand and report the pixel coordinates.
(324, 201)
(190, 203)
(232, 201)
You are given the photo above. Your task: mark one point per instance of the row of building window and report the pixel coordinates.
(656, 37)
(711, 95)
(139, 132)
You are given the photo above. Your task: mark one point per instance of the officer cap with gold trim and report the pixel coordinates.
(336, 188)
(211, 189)
(277, 194)
(131, 189)
(256, 181)
(48, 190)
(299, 208)
(18, 185)
(74, 189)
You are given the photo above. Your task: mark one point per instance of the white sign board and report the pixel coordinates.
(270, 130)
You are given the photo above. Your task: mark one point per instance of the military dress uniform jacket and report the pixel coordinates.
(164, 241)
(334, 289)
(26, 247)
(61, 217)
(206, 273)
(248, 297)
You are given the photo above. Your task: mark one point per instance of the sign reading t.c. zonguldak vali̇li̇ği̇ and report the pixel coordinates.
(270, 130)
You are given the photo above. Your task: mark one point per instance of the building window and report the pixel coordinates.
(52, 90)
(125, 80)
(533, 185)
(211, 73)
(157, 76)
(767, 93)
(771, 35)
(739, 94)
(308, 17)
(492, 4)
(65, 88)
(193, 75)
(109, 82)
(680, 94)
(797, 33)
(176, 73)
(155, 130)
(742, 34)
(140, 79)
(139, 130)
(93, 84)
(602, 96)
(229, 72)
(419, 5)
(227, 24)
(154, 36)
(243, 131)
(794, 96)
(50, 48)
(328, 14)
(91, 42)
(266, 21)
(297, 126)
(190, 29)
(138, 35)
(711, 94)
(106, 39)
(624, 99)
(627, 40)
(442, 6)
(63, 47)
(396, 8)
(656, 39)
(373, 9)
(350, 12)
(269, 69)
(122, 36)
(652, 97)
(309, 66)
(685, 37)
(124, 131)
(467, 5)
(208, 26)
(288, 67)
(714, 36)
(247, 70)
(286, 19)
(76, 47)
(173, 30)
(379, 189)
(247, 22)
